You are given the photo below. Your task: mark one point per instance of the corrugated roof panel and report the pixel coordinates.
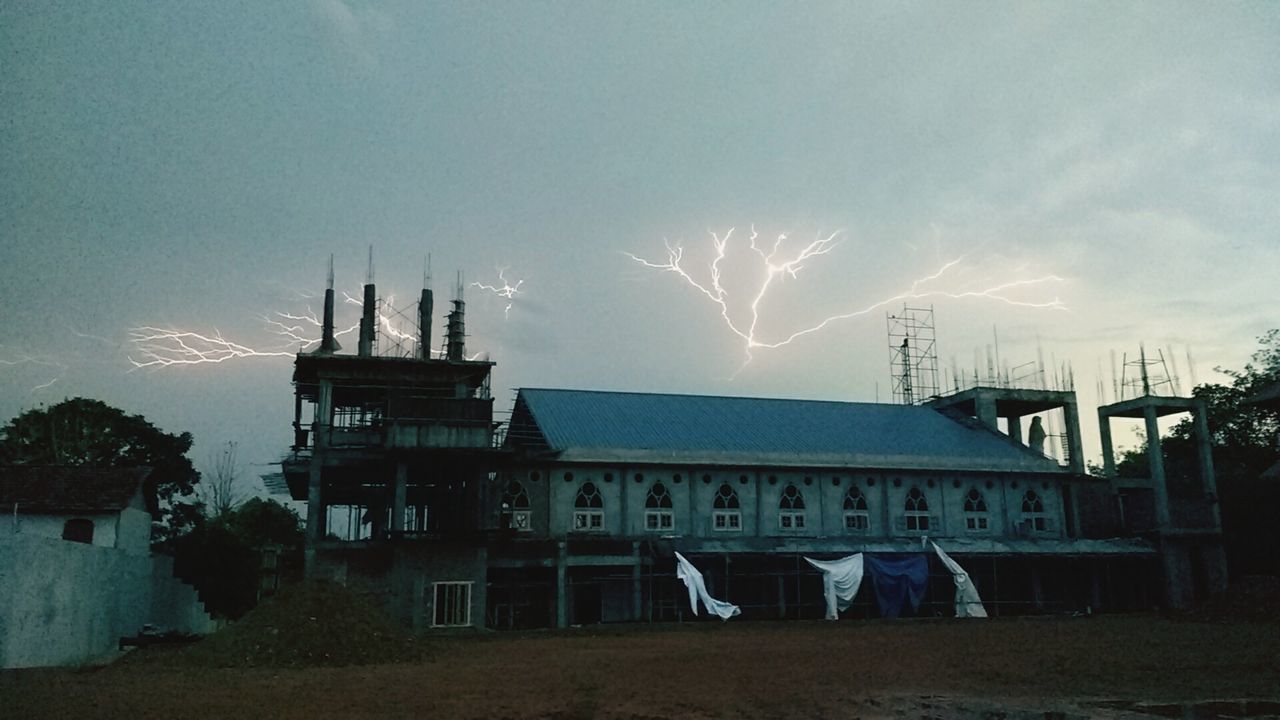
(681, 425)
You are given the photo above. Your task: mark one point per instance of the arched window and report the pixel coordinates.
(588, 509)
(658, 514)
(78, 530)
(726, 514)
(975, 511)
(791, 509)
(1033, 516)
(916, 511)
(856, 517)
(515, 508)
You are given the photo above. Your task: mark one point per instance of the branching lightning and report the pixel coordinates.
(165, 347)
(507, 290)
(45, 361)
(774, 269)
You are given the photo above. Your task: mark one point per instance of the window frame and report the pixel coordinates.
(977, 515)
(915, 512)
(446, 586)
(732, 520)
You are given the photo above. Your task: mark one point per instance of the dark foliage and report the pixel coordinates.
(88, 432)
(222, 557)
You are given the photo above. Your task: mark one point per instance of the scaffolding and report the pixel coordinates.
(913, 355)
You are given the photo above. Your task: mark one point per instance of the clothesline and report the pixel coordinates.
(899, 580)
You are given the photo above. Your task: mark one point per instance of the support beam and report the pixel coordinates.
(398, 496)
(1155, 460)
(562, 585)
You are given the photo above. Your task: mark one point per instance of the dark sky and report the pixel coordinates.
(193, 165)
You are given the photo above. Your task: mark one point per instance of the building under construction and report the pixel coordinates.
(573, 512)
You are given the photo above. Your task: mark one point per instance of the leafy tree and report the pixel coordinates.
(88, 432)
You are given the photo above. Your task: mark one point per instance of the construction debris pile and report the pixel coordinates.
(314, 623)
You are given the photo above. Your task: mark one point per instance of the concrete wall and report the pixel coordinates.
(759, 490)
(401, 577)
(65, 603)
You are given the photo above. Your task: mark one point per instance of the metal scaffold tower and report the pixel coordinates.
(913, 355)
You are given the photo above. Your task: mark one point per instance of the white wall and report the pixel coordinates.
(65, 603)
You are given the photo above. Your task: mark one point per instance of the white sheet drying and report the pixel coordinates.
(968, 604)
(698, 591)
(840, 582)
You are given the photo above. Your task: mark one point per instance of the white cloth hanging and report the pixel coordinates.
(698, 591)
(968, 604)
(840, 582)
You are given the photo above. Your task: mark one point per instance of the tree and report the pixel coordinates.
(88, 432)
(218, 490)
(222, 556)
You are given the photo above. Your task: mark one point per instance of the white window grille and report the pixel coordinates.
(726, 513)
(916, 511)
(588, 509)
(976, 518)
(451, 606)
(1033, 515)
(658, 513)
(791, 509)
(515, 508)
(856, 517)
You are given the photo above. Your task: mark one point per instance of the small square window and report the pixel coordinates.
(726, 520)
(856, 521)
(451, 605)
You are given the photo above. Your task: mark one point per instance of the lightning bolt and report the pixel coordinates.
(166, 347)
(507, 290)
(773, 269)
(37, 360)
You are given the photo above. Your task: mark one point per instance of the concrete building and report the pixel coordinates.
(573, 515)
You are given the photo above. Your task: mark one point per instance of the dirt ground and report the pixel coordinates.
(1119, 666)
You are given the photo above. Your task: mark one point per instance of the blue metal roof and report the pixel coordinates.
(584, 425)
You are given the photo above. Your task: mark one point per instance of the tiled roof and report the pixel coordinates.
(68, 489)
(643, 427)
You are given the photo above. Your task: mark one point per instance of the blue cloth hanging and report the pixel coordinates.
(898, 579)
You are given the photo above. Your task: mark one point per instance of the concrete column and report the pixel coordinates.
(1075, 446)
(1015, 429)
(562, 585)
(1108, 450)
(398, 496)
(984, 408)
(1204, 452)
(637, 597)
(315, 497)
(1155, 458)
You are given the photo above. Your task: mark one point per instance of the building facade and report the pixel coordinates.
(572, 512)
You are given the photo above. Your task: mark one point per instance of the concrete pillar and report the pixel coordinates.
(1108, 450)
(398, 493)
(1155, 458)
(1204, 453)
(315, 497)
(562, 585)
(984, 408)
(1015, 429)
(637, 597)
(1177, 574)
(1075, 446)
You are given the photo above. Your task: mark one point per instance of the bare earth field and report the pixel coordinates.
(1137, 666)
